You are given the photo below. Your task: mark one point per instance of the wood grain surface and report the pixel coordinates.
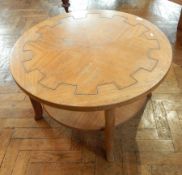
(95, 120)
(91, 60)
(147, 145)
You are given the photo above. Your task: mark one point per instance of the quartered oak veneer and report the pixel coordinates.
(90, 61)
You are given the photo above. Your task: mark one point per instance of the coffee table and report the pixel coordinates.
(81, 64)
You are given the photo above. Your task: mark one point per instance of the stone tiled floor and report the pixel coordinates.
(150, 144)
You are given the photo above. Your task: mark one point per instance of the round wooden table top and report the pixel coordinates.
(91, 60)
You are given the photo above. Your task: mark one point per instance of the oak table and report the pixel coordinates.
(81, 64)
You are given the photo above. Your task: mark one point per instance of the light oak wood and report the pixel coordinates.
(120, 58)
(149, 95)
(153, 153)
(37, 109)
(95, 120)
(180, 20)
(109, 133)
(99, 120)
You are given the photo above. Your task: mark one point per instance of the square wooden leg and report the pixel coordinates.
(149, 96)
(37, 109)
(180, 22)
(109, 133)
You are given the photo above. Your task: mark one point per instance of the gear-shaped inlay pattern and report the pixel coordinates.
(89, 52)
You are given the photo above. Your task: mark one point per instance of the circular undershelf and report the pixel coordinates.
(94, 120)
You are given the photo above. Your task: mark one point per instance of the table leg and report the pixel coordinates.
(109, 133)
(149, 95)
(37, 109)
(180, 21)
(66, 5)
